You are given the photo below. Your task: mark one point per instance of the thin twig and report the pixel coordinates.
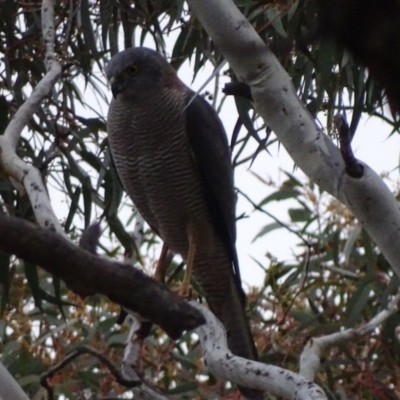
(75, 354)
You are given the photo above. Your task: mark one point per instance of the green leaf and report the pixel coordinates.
(350, 242)
(29, 379)
(25, 363)
(292, 181)
(267, 229)
(305, 318)
(113, 191)
(106, 12)
(87, 204)
(370, 253)
(105, 165)
(281, 194)
(91, 159)
(293, 9)
(335, 247)
(274, 16)
(73, 208)
(87, 27)
(57, 293)
(186, 362)
(358, 301)
(5, 275)
(184, 45)
(326, 62)
(117, 227)
(53, 300)
(31, 273)
(183, 388)
(244, 106)
(117, 339)
(299, 214)
(3, 114)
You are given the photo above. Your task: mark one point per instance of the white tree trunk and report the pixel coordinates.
(312, 150)
(25, 177)
(9, 388)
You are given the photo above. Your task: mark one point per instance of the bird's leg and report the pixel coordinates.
(185, 288)
(162, 264)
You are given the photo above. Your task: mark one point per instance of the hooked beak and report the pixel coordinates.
(116, 86)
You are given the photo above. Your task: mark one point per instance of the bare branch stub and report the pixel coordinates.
(238, 89)
(90, 238)
(353, 167)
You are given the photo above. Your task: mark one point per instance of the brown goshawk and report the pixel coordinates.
(172, 156)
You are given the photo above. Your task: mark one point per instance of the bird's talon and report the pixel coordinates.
(185, 292)
(188, 293)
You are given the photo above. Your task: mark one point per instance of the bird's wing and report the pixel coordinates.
(211, 153)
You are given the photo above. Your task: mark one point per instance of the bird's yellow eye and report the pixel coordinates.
(132, 70)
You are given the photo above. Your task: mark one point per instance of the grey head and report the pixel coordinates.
(138, 71)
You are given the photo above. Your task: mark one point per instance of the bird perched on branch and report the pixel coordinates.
(172, 155)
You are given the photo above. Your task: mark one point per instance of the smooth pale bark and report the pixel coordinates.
(317, 156)
(220, 361)
(25, 177)
(9, 388)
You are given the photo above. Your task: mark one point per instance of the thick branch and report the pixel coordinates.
(87, 274)
(276, 101)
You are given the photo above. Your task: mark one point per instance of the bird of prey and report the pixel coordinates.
(172, 155)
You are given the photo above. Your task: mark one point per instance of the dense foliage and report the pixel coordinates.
(338, 277)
